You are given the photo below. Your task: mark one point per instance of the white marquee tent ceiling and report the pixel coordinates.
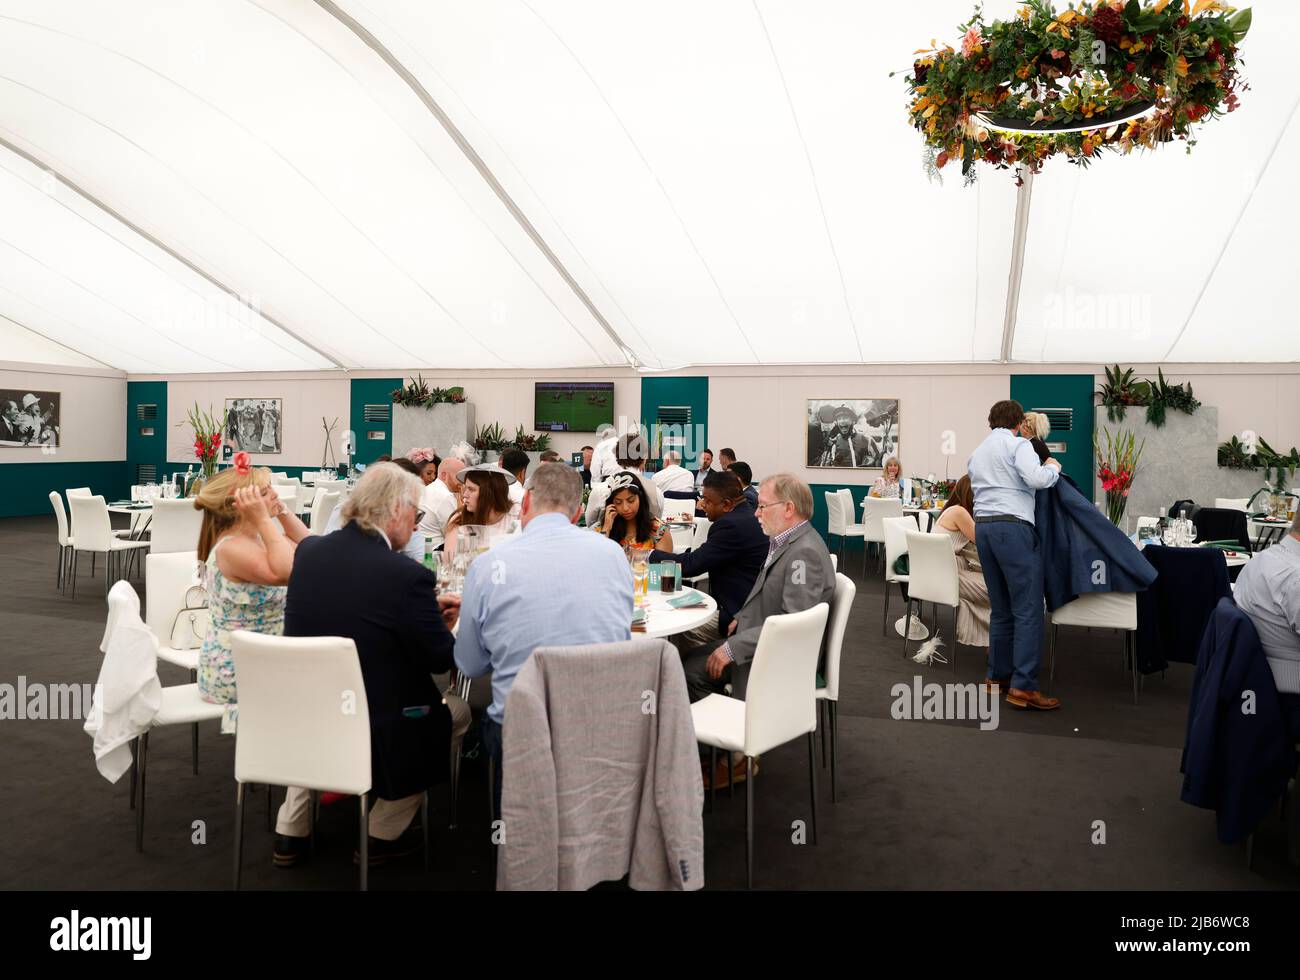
(218, 185)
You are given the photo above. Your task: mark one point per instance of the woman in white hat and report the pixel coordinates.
(484, 501)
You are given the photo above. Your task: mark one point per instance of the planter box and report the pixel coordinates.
(1180, 461)
(441, 427)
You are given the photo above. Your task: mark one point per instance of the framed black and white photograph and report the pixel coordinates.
(29, 418)
(852, 433)
(254, 425)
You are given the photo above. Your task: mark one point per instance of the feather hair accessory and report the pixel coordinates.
(929, 652)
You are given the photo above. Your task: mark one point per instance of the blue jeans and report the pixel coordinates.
(491, 733)
(1013, 571)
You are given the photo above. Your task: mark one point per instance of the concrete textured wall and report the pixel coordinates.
(440, 427)
(1179, 461)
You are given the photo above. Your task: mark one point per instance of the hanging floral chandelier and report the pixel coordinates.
(1096, 77)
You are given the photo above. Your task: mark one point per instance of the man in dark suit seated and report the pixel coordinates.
(746, 477)
(796, 575)
(732, 556)
(357, 583)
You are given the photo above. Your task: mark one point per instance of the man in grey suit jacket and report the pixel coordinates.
(796, 576)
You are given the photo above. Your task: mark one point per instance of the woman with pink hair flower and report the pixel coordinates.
(427, 461)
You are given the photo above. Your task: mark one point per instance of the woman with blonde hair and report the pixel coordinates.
(484, 501)
(246, 546)
(887, 485)
(1035, 428)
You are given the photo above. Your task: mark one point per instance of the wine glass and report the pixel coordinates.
(640, 574)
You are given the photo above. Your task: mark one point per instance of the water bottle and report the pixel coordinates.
(428, 554)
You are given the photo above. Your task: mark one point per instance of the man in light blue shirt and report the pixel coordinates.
(553, 585)
(1004, 475)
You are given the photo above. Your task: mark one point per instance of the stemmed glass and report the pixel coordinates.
(640, 574)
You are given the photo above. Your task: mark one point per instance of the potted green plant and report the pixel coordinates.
(1163, 396)
(1120, 391)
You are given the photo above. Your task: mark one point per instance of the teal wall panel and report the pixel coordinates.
(371, 391)
(25, 487)
(143, 449)
(1037, 392)
(679, 391)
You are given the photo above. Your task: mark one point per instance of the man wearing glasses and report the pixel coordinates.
(796, 575)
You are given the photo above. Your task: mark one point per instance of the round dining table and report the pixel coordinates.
(662, 620)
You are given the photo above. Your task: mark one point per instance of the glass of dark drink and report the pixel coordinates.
(670, 578)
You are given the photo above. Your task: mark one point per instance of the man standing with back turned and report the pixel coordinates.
(1004, 474)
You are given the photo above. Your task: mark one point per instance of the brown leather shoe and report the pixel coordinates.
(1032, 699)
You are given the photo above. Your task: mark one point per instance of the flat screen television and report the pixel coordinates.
(572, 406)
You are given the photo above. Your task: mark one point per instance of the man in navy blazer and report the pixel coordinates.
(732, 556)
(357, 583)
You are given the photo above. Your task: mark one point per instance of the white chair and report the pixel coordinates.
(874, 512)
(179, 705)
(835, 563)
(932, 577)
(280, 477)
(288, 496)
(838, 515)
(828, 695)
(699, 534)
(94, 534)
(322, 506)
(896, 530)
(1102, 610)
(293, 728)
(780, 705)
(64, 538)
(172, 594)
(175, 527)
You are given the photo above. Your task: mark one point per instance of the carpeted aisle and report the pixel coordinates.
(923, 804)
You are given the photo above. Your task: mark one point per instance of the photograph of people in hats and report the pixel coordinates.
(29, 418)
(852, 432)
(253, 424)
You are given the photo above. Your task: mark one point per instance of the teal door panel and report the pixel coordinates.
(676, 413)
(1066, 399)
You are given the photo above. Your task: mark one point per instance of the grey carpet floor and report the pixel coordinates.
(922, 804)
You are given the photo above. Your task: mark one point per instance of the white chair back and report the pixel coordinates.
(781, 698)
(896, 530)
(322, 506)
(331, 486)
(834, 513)
(61, 516)
(94, 532)
(303, 715)
(835, 561)
(1105, 610)
(168, 579)
(700, 534)
(281, 478)
(875, 510)
(78, 492)
(1232, 503)
(841, 605)
(932, 565)
(288, 496)
(1148, 522)
(175, 526)
(846, 506)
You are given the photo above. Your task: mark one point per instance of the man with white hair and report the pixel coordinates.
(354, 583)
(440, 499)
(796, 575)
(674, 476)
